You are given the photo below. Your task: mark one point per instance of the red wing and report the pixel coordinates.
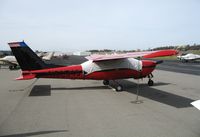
(146, 54)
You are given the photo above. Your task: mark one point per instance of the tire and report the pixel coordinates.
(119, 88)
(11, 67)
(150, 82)
(15, 67)
(106, 82)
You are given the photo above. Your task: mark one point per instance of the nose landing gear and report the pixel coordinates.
(150, 82)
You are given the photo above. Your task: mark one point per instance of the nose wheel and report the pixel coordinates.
(150, 82)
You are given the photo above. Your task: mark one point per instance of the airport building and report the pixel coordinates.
(82, 53)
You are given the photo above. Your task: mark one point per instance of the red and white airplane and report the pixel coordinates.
(98, 67)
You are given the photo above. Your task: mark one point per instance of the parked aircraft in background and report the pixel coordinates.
(48, 56)
(13, 64)
(98, 67)
(189, 57)
(61, 55)
(10, 61)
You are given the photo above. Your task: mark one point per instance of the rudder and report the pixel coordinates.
(26, 58)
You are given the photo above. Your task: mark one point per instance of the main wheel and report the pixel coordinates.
(11, 67)
(150, 82)
(15, 67)
(106, 82)
(119, 88)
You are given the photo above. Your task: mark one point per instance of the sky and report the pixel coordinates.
(78, 25)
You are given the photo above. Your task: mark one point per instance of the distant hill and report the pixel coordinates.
(183, 48)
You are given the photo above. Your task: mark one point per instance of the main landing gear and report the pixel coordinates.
(150, 82)
(120, 87)
(117, 88)
(13, 67)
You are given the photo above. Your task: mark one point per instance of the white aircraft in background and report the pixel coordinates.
(196, 104)
(48, 56)
(61, 55)
(13, 64)
(188, 57)
(10, 61)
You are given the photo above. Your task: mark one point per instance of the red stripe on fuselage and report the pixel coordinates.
(68, 72)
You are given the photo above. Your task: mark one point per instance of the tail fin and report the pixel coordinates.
(26, 58)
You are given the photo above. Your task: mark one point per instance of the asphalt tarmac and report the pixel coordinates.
(180, 67)
(84, 108)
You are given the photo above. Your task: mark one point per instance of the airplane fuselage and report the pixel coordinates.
(79, 72)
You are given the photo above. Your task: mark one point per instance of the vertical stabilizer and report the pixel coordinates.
(26, 58)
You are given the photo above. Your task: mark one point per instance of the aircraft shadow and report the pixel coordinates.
(156, 94)
(41, 90)
(131, 87)
(45, 90)
(34, 133)
(81, 88)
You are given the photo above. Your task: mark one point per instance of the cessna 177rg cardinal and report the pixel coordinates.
(98, 67)
(9, 60)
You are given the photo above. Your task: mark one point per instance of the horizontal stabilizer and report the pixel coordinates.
(26, 77)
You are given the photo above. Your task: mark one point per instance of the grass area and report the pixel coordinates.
(194, 51)
(167, 58)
